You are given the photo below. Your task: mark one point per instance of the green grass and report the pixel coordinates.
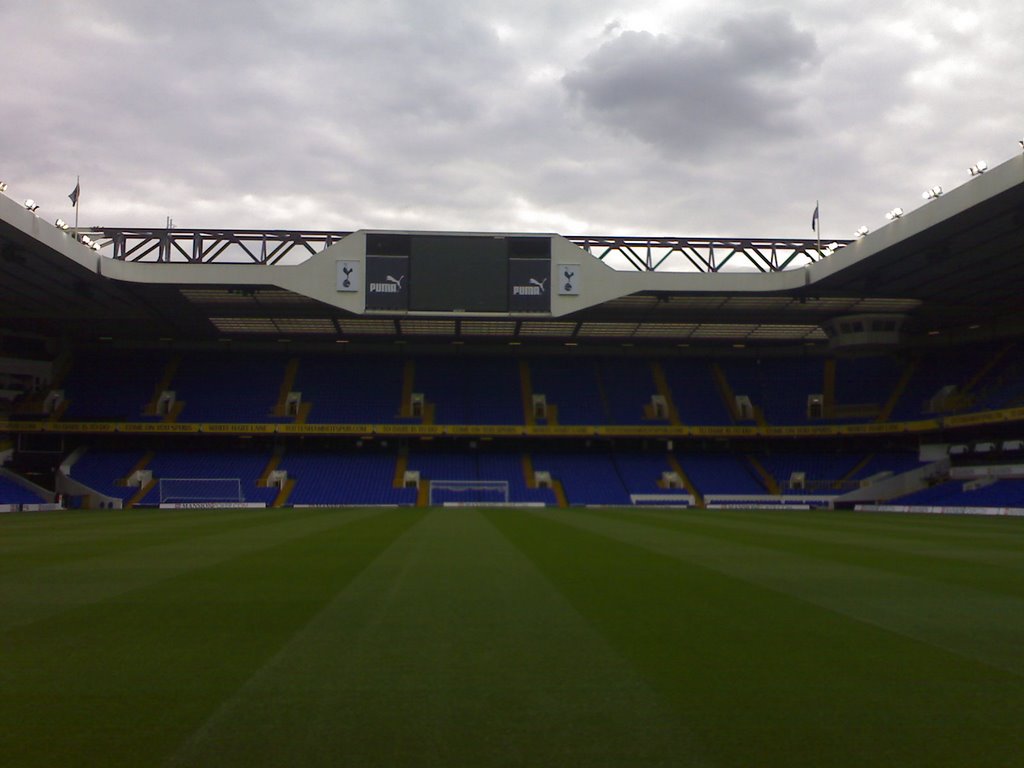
(508, 637)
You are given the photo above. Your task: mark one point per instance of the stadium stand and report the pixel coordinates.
(587, 478)
(722, 473)
(844, 378)
(885, 463)
(106, 470)
(810, 472)
(333, 478)
(486, 392)
(112, 385)
(210, 465)
(627, 390)
(571, 388)
(591, 391)
(12, 493)
(509, 467)
(694, 393)
(954, 493)
(778, 387)
(642, 473)
(863, 387)
(227, 387)
(350, 389)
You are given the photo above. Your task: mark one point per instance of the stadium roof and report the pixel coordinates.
(953, 266)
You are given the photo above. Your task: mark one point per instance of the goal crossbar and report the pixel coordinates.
(468, 492)
(201, 489)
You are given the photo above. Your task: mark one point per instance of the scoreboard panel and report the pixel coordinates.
(457, 273)
(453, 273)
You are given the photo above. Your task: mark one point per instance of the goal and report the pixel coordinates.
(185, 490)
(455, 493)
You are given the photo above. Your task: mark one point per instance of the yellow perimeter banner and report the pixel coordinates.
(513, 430)
(158, 427)
(243, 429)
(324, 429)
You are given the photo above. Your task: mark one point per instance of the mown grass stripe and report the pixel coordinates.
(991, 570)
(69, 582)
(964, 531)
(450, 649)
(985, 627)
(26, 547)
(122, 681)
(763, 677)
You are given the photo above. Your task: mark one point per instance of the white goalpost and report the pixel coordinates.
(460, 493)
(201, 490)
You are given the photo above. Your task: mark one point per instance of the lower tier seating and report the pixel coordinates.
(12, 493)
(364, 477)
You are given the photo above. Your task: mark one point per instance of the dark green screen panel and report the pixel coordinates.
(450, 272)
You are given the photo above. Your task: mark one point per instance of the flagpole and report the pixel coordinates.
(78, 190)
(817, 207)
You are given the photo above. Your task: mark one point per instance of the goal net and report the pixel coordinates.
(184, 490)
(452, 493)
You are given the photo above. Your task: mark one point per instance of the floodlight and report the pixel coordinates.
(932, 192)
(1021, 142)
(86, 240)
(861, 231)
(61, 225)
(978, 168)
(894, 214)
(95, 246)
(3, 186)
(31, 205)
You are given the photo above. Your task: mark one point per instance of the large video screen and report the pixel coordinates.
(461, 272)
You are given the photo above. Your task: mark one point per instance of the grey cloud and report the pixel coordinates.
(686, 95)
(447, 115)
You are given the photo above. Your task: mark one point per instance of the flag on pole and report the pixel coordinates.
(74, 194)
(814, 218)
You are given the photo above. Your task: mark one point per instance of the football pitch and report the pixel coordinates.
(466, 637)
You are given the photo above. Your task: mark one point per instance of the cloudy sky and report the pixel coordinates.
(602, 117)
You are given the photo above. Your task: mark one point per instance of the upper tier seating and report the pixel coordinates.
(778, 386)
(351, 389)
(112, 385)
(1000, 379)
(694, 392)
(627, 386)
(228, 386)
(482, 390)
(571, 385)
(238, 386)
(866, 380)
